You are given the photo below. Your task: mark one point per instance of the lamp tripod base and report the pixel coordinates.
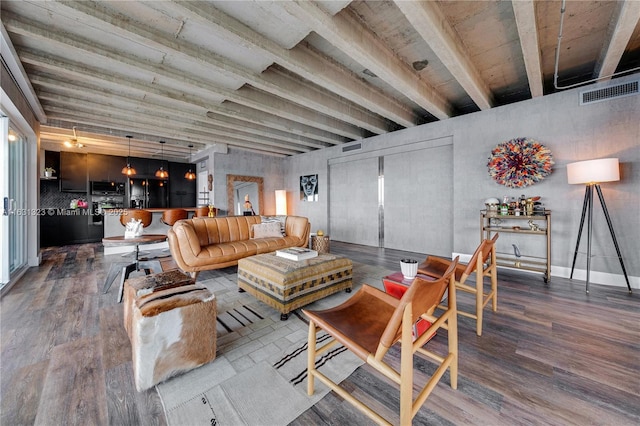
(587, 206)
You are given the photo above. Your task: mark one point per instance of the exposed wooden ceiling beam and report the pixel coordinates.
(53, 139)
(147, 128)
(306, 63)
(152, 119)
(231, 109)
(429, 21)
(345, 32)
(621, 28)
(525, 14)
(79, 90)
(249, 97)
(176, 47)
(293, 112)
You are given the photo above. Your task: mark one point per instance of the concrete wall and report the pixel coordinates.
(247, 163)
(573, 133)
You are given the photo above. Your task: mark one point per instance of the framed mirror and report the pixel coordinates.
(239, 189)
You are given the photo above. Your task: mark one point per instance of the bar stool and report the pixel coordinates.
(171, 216)
(136, 214)
(204, 211)
(135, 264)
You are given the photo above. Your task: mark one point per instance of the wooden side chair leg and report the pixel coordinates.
(311, 357)
(494, 287)
(406, 370)
(479, 297)
(452, 334)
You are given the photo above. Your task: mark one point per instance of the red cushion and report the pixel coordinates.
(396, 286)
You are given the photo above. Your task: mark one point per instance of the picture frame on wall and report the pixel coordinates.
(309, 188)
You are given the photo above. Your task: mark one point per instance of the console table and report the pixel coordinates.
(511, 223)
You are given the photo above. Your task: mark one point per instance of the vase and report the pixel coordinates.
(48, 174)
(409, 268)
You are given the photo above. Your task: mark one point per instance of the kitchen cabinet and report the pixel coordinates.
(182, 192)
(49, 231)
(73, 172)
(106, 168)
(153, 165)
(52, 159)
(70, 227)
(492, 223)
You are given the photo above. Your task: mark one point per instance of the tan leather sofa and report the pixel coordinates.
(206, 243)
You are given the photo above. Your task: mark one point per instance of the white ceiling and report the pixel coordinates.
(288, 77)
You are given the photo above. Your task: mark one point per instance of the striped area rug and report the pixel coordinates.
(216, 395)
(236, 318)
(259, 376)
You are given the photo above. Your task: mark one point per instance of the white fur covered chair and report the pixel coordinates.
(171, 323)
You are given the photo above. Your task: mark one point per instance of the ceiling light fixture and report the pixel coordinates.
(190, 175)
(128, 170)
(73, 143)
(161, 172)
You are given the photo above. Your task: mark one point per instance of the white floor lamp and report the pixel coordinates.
(592, 173)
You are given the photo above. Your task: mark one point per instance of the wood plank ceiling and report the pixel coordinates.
(293, 76)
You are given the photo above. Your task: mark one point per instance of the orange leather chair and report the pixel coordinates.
(372, 321)
(483, 263)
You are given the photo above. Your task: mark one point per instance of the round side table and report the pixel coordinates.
(320, 244)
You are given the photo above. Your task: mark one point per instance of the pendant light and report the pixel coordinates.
(190, 175)
(161, 172)
(128, 170)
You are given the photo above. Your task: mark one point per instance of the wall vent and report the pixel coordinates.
(605, 93)
(353, 147)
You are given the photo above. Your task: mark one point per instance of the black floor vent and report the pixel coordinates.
(605, 93)
(353, 147)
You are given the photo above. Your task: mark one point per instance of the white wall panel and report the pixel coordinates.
(353, 201)
(418, 200)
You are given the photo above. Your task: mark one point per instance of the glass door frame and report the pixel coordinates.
(10, 117)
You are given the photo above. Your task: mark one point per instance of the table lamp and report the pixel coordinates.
(592, 173)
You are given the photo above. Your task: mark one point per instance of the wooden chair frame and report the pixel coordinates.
(399, 328)
(483, 263)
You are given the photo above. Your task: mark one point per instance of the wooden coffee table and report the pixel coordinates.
(288, 284)
(136, 265)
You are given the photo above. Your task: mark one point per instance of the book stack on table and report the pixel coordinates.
(297, 253)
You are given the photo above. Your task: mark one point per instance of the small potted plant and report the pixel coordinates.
(49, 171)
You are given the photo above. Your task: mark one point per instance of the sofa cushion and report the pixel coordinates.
(281, 219)
(265, 230)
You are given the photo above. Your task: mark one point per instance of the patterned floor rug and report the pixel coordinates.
(259, 374)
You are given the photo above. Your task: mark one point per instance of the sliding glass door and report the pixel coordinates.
(13, 225)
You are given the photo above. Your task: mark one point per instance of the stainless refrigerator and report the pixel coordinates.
(148, 193)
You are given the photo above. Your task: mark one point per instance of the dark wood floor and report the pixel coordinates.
(550, 355)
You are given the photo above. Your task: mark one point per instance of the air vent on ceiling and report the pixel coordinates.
(353, 147)
(605, 93)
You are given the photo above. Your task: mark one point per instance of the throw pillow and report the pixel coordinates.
(279, 219)
(266, 230)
